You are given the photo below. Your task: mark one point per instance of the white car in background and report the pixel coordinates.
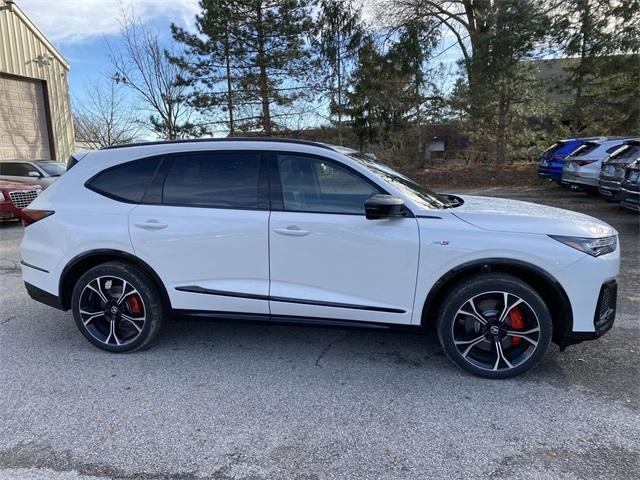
(582, 168)
(35, 172)
(294, 231)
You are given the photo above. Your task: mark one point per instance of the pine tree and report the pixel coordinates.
(210, 61)
(274, 56)
(340, 33)
(603, 39)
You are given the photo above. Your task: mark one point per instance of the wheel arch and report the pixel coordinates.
(540, 280)
(79, 264)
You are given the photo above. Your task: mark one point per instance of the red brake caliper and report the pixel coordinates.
(135, 304)
(517, 322)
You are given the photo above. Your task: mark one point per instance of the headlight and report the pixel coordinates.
(593, 246)
(1, 197)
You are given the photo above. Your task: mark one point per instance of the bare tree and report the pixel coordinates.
(105, 116)
(142, 64)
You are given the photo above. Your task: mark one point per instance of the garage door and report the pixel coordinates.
(23, 120)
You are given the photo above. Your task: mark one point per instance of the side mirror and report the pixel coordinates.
(34, 174)
(383, 206)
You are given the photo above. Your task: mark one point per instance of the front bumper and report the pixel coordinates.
(603, 318)
(8, 211)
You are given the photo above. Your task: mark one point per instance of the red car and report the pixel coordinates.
(14, 196)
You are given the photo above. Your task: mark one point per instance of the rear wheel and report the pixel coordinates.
(494, 326)
(117, 307)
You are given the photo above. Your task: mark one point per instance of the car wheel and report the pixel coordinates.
(494, 326)
(117, 307)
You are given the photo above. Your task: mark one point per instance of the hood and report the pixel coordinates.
(17, 185)
(504, 215)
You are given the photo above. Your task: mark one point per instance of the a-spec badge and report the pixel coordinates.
(440, 242)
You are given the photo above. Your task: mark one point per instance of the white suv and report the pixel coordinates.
(260, 229)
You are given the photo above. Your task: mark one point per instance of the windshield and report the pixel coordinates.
(416, 192)
(53, 169)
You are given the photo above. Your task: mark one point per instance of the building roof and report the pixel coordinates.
(13, 7)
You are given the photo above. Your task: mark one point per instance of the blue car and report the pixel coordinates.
(551, 161)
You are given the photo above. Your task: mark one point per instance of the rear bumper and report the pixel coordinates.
(573, 179)
(630, 199)
(610, 189)
(550, 172)
(42, 296)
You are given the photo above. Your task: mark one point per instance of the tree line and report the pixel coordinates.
(286, 67)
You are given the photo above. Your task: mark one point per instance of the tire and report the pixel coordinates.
(492, 349)
(134, 322)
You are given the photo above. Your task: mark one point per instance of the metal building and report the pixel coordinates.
(35, 110)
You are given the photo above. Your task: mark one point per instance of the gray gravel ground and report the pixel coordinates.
(225, 401)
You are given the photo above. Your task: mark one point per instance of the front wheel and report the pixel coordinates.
(494, 326)
(117, 307)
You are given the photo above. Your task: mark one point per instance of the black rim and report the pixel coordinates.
(112, 311)
(496, 331)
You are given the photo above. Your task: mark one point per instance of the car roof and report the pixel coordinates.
(14, 160)
(219, 140)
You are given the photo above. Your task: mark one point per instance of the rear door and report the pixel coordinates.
(203, 227)
(326, 259)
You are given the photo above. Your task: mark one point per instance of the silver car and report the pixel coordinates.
(35, 172)
(582, 168)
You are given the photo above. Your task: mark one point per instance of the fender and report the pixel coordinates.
(520, 269)
(103, 255)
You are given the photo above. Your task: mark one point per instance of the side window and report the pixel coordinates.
(313, 185)
(126, 182)
(16, 169)
(215, 180)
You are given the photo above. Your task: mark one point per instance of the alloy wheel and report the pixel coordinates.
(496, 331)
(112, 310)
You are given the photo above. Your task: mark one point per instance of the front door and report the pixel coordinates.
(326, 259)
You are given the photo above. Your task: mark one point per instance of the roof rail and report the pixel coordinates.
(229, 139)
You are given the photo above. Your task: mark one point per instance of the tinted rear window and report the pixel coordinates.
(216, 180)
(127, 182)
(584, 149)
(626, 152)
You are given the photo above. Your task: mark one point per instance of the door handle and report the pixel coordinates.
(151, 225)
(292, 231)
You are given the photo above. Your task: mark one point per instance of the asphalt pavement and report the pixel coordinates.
(234, 401)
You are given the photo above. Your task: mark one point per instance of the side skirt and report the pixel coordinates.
(258, 318)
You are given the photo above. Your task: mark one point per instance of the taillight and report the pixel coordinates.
(582, 163)
(28, 216)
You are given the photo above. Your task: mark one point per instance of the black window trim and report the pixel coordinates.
(270, 196)
(277, 198)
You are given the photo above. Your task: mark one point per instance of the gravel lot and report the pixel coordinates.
(225, 401)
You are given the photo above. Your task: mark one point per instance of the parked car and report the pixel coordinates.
(552, 159)
(294, 231)
(630, 197)
(14, 196)
(38, 172)
(582, 168)
(613, 169)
